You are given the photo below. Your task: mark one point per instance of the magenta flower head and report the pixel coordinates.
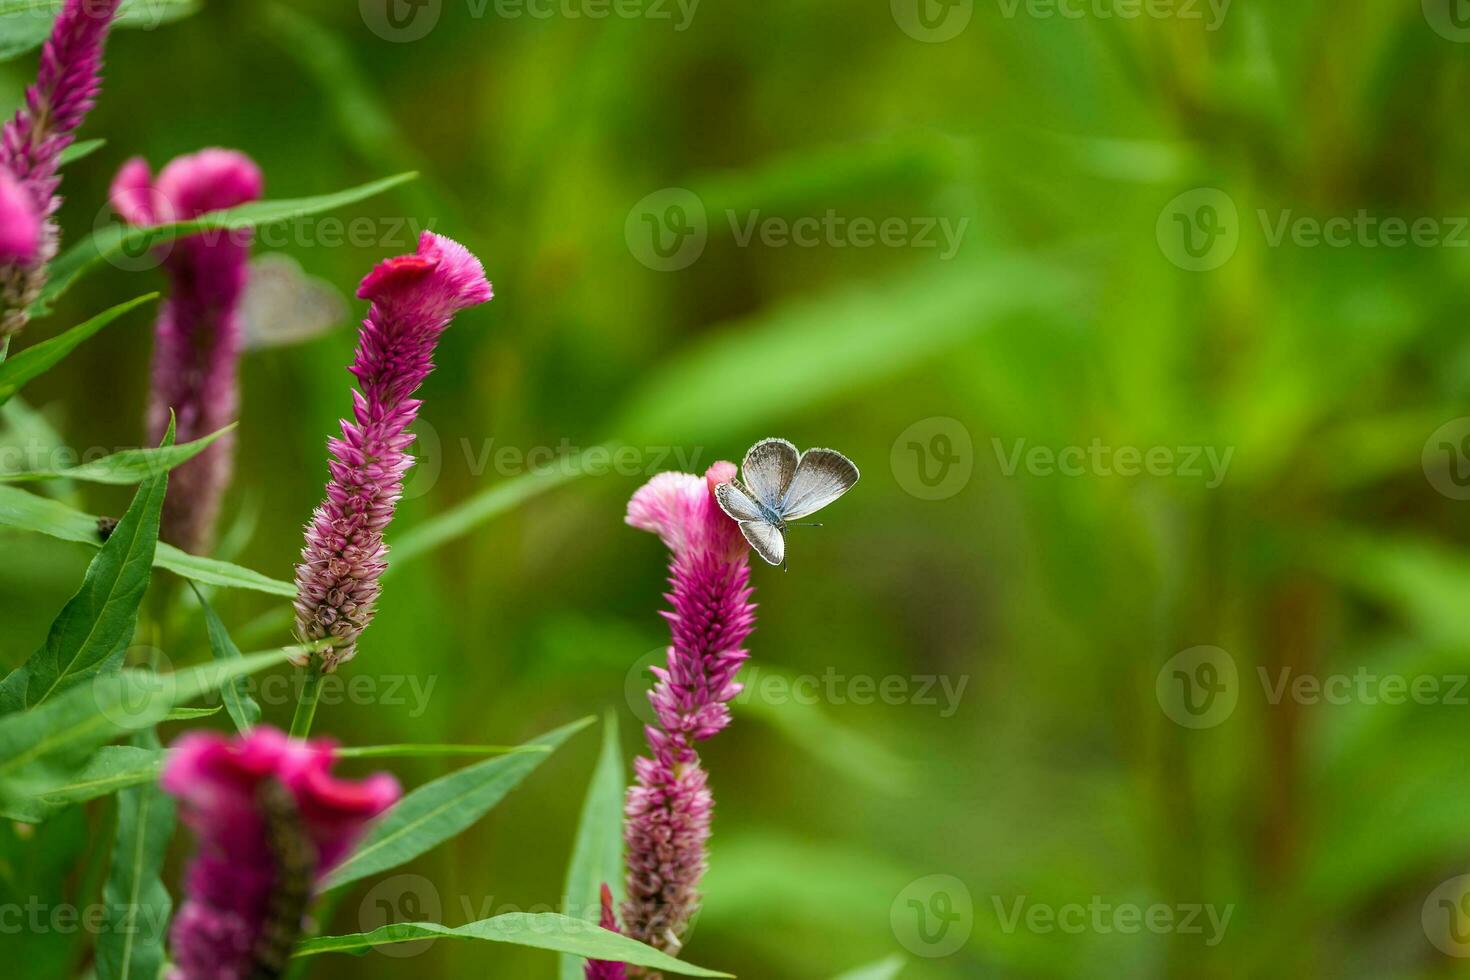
(271, 820)
(413, 298)
(601, 969)
(669, 807)
(196, 344)
(31, 143)
(20, 222)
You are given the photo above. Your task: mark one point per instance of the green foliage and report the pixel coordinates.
(25, 24)
(94, 630)
(882, 970)
(597, 853)
(138, 904)
(545, 930)
(243, 709)
(40, 358)
(440, 809)
(125, 467)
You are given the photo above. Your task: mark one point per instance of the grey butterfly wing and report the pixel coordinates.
(768, 469)
(822, 476)
(283, 305)
(735, 502)
(766, 539)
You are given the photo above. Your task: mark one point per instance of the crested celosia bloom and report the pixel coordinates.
(196, 344)
(413, 298)
(20, 222)
(669, 807)
(600, 969)
(31, 144)
(271, 820)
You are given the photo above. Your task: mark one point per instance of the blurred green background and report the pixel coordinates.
(1134, 200)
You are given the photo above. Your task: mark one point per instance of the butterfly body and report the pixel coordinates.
(781, 485)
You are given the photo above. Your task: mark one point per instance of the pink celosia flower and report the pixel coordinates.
(414, 297)
(271, 820)
(31, 144)
(20, 222)
(196, 345)
(601, 969)
(669, 807)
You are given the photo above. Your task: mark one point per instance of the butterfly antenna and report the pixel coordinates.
(805, 524)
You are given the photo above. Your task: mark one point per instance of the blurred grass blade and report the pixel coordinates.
(40, 358)
(882, 970)
(124, 239)
(80, 150)
(546, 930)
(130, 946)
(95, 627)
(29, 512)
(243, 709)
(597, 854)
(438, 810)
(25, 24)
(426, 750)
(125, 467)
(193, 714)
(111, 768)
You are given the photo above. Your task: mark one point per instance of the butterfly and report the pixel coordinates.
(781, 486)
(285, 306)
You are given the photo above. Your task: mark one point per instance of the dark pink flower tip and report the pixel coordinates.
(187, 187)
(20, 223)
(440, 279)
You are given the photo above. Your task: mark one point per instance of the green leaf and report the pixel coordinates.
(438, 810)
(193, 714)
(244, 710)
(127, 466)
(110, 768)
(597, 853)
(431, 750)
(29, 512)
(546, 930)
(119, 239)
(25, 24)
(41, 748)
(81, 150)
(882, 970)
(40, 358)
(95, 627)
(138, 905)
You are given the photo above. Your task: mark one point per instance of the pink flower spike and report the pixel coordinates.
(601, 969)
(20, 224)
(669, 807)
(197, 338)
(414, 298)
(31, 143)
(272, 821)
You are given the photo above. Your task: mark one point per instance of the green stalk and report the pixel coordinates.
(307, 698)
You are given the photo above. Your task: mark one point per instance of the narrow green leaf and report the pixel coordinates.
(41, 748)
(81, 149)
(243, 709)
(417, 750)
(597, 853)
(138, 904)
(25, 24)
(125, 467)
(438, 810)
(95, 627)
(29, 512)
(546, 930)
(193, 714)
(40, 358)
(119, 239)
(111, 768)
(882, 970)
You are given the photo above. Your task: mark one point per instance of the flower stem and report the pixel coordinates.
(307, 698)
